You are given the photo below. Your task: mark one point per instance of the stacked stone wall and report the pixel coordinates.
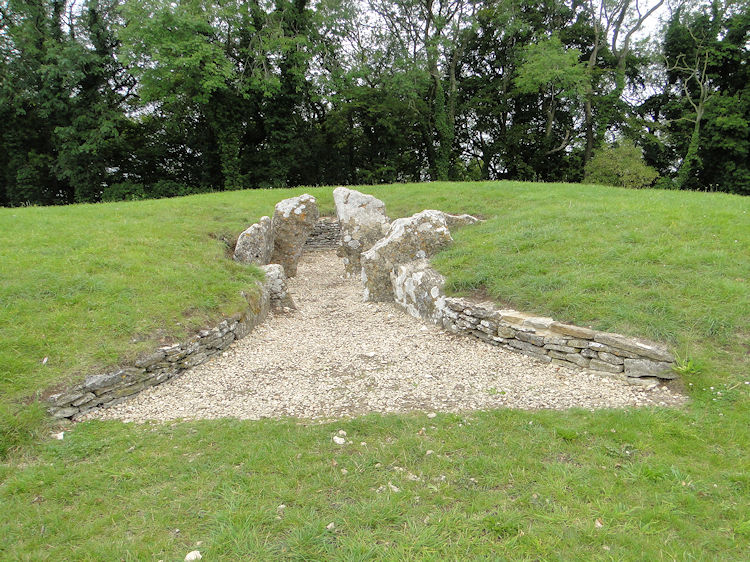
(326, 235)
(164, 363)
(419, 289)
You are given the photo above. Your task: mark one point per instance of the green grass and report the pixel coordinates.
(79, 284)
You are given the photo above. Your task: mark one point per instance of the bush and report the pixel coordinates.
(621, 166)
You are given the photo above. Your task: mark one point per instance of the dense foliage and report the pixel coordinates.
(121, 99)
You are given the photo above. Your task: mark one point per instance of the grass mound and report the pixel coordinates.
(90, 286)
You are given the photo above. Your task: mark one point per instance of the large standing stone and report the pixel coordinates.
(363, 222)
(408, 239)
(255, 245)
(293, 221)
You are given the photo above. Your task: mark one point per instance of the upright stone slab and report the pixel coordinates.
(255, 245)
(293, 221)
(408, 239)
(363, 222)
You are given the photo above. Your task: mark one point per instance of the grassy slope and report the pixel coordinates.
(79, 284)
(665, 484)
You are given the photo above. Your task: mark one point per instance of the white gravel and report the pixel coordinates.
(337, 356)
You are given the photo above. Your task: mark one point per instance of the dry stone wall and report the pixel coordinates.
(326, 235)
(419, 289)
(282, 238)
(164, 363)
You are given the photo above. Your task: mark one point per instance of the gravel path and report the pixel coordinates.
(338, 357)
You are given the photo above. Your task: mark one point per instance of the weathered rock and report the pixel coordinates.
(538, 323)
(571, 330)
(256, 244)
(363, 222)
(148, 359)
(419, 289)
(648, 368)
(598, 365)
(638, 347)
(453, 221)
(276, 283)
(610, 358)
(408, 239)
(293, 221)
(571, 358)
(530, 338)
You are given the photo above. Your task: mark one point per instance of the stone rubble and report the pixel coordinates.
(340, 357)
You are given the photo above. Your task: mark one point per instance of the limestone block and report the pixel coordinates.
(419, 289)
(598, 365)
(648, 368)
(638, 347)
(255, 245)
(293, 221)
(408, 239)
(363, 222)
(276, 283)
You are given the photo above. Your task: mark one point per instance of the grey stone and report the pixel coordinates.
(147, 360)
(538, 323)
(551, 340)
(641, 348)
(419, 236)
(277, 289)
(65, 399)
(530, 338)
(598, 365)
(60, 413)
(99, 384)
(560, 348)
(363, 222)
(575, 342)
(506, 332)
(590, 353)
(255, 245)
(526, 347)
(88, 397)
(193, 360)
(602, 348)
(574, 358)
(120, 392)
(649, 368)
(611, 358)
(571, 330)
(419, 289)
(534, 354)
(293, 221)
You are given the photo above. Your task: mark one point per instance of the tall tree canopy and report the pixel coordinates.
(117, 99)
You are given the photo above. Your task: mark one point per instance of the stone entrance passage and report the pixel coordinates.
(338, 356)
